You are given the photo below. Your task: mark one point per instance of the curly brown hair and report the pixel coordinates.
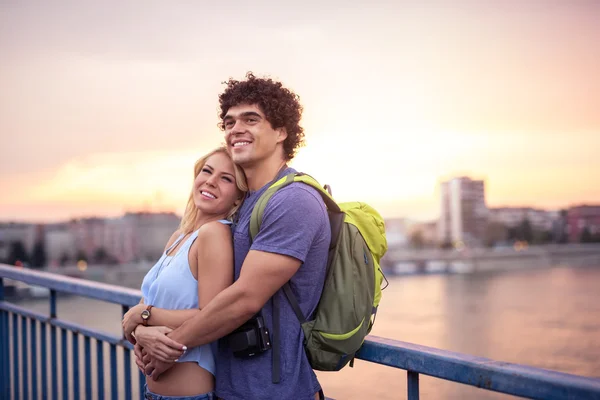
(280, 105)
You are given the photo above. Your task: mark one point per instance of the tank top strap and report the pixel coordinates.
(225, 221)
(175, 243)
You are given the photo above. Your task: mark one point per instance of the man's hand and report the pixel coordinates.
(158, 345)
(131, 320)
(155, 368)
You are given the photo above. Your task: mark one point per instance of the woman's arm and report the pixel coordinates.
(214, 273)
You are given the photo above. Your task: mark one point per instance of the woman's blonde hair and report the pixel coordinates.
(190, 214)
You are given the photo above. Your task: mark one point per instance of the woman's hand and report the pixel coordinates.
(154, 368)
(150, 367)
(139, 357)
(131, 320)
(157, 344)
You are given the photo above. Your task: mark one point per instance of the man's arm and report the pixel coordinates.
(281, 246)
(261, 276)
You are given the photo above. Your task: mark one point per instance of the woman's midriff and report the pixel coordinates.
(182, 379)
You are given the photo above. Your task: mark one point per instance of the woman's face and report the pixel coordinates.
(215, 189)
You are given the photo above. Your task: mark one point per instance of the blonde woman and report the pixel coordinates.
(196, 265)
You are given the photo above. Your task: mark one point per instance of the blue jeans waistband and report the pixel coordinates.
(148, 395)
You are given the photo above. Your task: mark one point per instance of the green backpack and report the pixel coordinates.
(346, 311)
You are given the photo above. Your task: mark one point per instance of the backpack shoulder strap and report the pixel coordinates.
(261, 204)
(327, 199)
(255, 223)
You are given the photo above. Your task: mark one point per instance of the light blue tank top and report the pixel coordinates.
(169, 284)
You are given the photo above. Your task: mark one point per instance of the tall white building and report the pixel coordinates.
(464, 213)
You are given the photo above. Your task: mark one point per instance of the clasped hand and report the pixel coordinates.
(157, 344)
(149, 367)
(154, 351)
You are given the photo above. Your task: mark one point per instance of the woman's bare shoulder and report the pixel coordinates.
(214, 229)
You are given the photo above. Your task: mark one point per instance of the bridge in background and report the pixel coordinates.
(520, 256)
(30, 342)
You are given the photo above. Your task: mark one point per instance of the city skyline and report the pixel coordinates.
(105, 107)
(149, 209)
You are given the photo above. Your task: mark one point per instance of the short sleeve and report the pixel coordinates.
(294, 218)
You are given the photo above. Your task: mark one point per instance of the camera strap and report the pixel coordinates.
(276, 374)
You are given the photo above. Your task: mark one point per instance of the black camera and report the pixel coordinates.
(251, 338)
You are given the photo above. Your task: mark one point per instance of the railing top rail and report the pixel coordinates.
(516, 379)
(493, 375)
(76, 286)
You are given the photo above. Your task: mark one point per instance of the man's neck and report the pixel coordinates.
(264, 172)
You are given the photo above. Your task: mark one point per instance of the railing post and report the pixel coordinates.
(15, 359)
(64, 360)
(4, 356)
(24, 358)
(114, 377)
(34, 357)
(100, 368)
(412, 379)
(141, 384)
(88, 367)
(44, 362)
(54, 360)
(124, 309)
(75, 364)
(52, 303)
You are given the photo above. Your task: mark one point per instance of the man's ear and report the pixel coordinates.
(281, 134)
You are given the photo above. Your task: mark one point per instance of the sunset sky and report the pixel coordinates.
(105, 105)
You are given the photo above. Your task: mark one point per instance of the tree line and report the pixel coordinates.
(18, 255)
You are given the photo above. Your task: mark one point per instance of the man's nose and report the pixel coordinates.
(238, 127)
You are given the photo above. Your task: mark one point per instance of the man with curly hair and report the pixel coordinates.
(261, 122)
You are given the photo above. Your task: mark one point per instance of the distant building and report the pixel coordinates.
(427, 231)
(540, 220)
(395, 232)
(583, 217)
(464, 212)
(150, 231)
(132, 237)
(60, 244)
(120, 238)
(89, 236)
(16, 232)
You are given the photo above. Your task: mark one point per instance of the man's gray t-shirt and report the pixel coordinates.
(295, 224)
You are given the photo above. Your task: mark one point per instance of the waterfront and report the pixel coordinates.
(548, 318)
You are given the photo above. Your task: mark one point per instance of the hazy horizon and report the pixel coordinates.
(104, 107)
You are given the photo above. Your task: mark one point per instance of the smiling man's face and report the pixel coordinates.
(249, 135)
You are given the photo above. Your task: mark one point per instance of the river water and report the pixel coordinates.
(548, 318)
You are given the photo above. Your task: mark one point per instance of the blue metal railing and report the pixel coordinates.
(22, 361)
